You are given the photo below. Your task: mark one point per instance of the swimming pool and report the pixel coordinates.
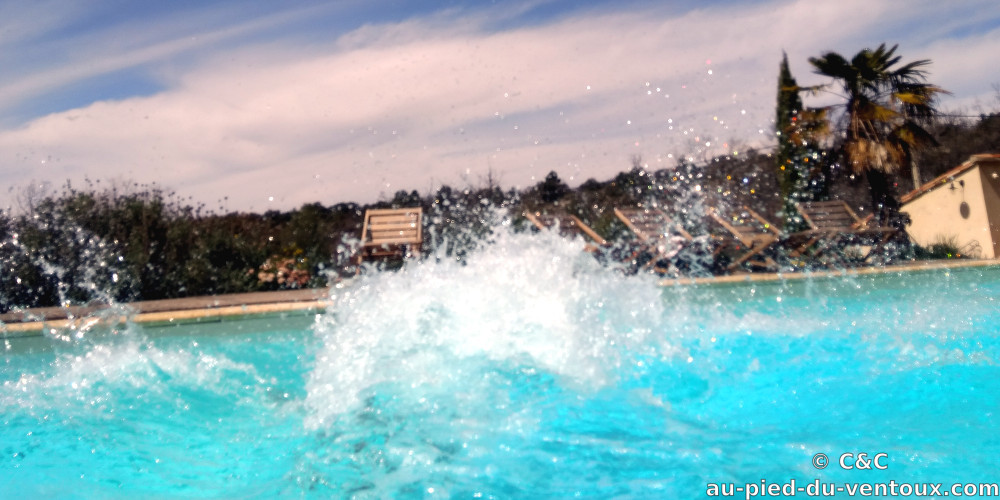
(527, 372)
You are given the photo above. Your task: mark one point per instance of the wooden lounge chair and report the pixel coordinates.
(658, 235)
(568, 225)
(750, 234)
(832, 226)
(391, 232)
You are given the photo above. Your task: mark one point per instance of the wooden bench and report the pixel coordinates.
(752, 234)
(833, 225)
(567, 224)
(659, 237)
(391, 232)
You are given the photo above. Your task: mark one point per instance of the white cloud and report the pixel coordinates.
(424, 102)
(967, 68)
(82, 56)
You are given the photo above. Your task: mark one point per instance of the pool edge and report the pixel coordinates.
(860, 271)
(166, 317)
(222, 307)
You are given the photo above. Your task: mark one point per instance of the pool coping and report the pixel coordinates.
(214, 308)
(917, 266)
(208, 308)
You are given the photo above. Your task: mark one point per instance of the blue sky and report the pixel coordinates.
(276, 104)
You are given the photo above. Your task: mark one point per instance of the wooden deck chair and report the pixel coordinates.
(752, 235)
(833, 225)
(391, 232)
(657, 234)
(568, 225)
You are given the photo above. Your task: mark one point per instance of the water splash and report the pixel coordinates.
(98, 377)
(535, 301)
(59, 261)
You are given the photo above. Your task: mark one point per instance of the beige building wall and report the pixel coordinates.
(990, 179)
(959, 211)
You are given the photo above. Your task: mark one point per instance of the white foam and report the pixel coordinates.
(103, 370)
(528, 300)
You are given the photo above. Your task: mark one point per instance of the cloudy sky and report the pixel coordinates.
(269, 105)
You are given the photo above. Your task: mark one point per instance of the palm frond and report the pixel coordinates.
(830, 64)
(913, 98)
(911, 68)
(810, 126)
(911, 133)
(874, 112)
(885, 106)
(812, 90)
(917, 100)
(881, 155)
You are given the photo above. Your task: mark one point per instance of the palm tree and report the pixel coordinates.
(883, 119)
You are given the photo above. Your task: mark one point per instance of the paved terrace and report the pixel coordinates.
(33, 322)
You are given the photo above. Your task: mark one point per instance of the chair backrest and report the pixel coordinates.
(568, 224)
(650, 224)
(829, 215)
(392, 226)
(746, 225)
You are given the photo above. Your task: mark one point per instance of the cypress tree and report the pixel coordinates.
(798, 163)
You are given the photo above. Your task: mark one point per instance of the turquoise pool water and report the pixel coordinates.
(528, 372)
